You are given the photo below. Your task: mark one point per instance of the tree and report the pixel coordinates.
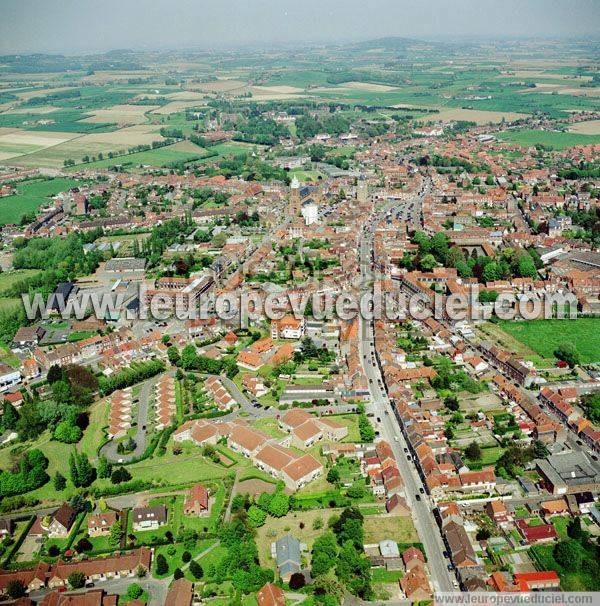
(483, 534)
(177, 573)
(104, 468)
(67, 432)
(161, 567)
(256, 516)
(540, 450)
(473, 451)
(186, 556)
(55, 373)
(568, 353)
(82, 472)
(76, 579)
(10, 416)
(324, 553)
(83, 545)
(279, 505)
(16, 589)
(116, 534)
(60, 482)
(451, 403)
(297, 581)
(574, 531)
(333, 475)
(196, 570)
(569, 554)
(134, 591)
(119, 475)
(428, 262)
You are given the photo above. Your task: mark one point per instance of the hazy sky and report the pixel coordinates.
(91, 25)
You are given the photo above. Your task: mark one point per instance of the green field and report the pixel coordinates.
(544, 336)
(553, 139)
(162, 156)
(30, 196)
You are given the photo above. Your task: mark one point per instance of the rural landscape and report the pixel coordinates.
(161, 447)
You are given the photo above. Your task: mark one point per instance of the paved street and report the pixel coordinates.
(424, 520)
(109, 450)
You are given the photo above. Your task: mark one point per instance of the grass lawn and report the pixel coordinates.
(544, 336)
(269, 426)
(58, 460)
(489, 456)
(581, 580)
(555, 140)
(398, 528)
(275, 528)
(381, 575)
(351, 422)
(9, 278)
(173, 554)
(560, 524)
(94, 434)
(30, 196)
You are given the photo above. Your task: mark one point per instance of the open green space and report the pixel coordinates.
(544, 336)
(30, 196)
(553, 139)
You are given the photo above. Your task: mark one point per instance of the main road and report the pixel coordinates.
(416, 497)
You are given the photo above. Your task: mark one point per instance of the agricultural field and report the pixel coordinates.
(544, 336)
(553, 139)
(30, 196)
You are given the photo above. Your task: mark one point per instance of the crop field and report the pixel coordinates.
(161, 156)
(544, 336)
(591, 127)
(30, 196)
(553, 139)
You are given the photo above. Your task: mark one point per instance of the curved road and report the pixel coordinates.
(109, 450)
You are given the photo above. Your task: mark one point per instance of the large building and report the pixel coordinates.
(569, 473)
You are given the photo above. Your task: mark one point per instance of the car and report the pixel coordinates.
(422, 490)
(371, 381)
(446, 554)
(455, 583)
(408, 458)
(418, 497)
(387, 412)
(397, 438)
(143, 428)
(405, 449)
(450, 567)
(379, 419)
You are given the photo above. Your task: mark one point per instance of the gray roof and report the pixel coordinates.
(288, 551)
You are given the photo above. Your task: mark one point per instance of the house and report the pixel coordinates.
(301, 471)
(461, 550)
(196, 502)
(288, 327)
(415, 585)
(544, 533)
(99, 569)
(14, 398)
(554, 507)
(99, 524)
(93, 597)
(397, 505)
(9, 377)
(27, 336)
(62, 521)
(412, 557)
(270, 595)
(181, 593)
(287, 555)
(149, 518)
(537, 581)
(497, 511)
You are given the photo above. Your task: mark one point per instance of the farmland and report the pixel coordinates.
(544, 336)
(30, 196)
(552, 139)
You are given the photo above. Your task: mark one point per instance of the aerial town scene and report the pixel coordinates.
(299, 302)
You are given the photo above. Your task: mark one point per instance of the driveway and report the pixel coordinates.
(109, 450)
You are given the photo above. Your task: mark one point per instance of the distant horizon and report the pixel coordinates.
(266, 46)
(87, 27)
